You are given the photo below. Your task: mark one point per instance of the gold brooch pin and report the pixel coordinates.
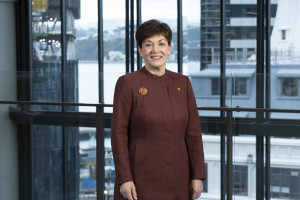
(178, 89)
(143, 91)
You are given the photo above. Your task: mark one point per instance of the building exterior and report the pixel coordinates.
(53, 82)
(240, 90)
(240, 30)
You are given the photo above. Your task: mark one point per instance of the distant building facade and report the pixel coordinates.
(53, 82)
(240, 30)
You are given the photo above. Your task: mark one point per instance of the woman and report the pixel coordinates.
(156, 134)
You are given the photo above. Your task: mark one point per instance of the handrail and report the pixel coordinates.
(233, 109)
(56, 103)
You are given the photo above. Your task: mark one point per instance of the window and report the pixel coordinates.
(285, 183)
(283, 34)
(239, 33)
(240, 180)
(239, 87)
(215, 86)
(289, 87)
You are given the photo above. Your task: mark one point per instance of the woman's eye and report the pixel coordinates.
(162, 44)
(148, 45)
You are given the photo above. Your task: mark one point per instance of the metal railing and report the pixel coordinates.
(100, 137)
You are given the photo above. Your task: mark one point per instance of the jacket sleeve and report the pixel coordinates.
(194, 137)
(119, 130)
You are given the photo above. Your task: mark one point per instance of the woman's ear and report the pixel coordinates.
(140, 51)
(170, 49)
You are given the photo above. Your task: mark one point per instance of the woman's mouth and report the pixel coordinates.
(156, 57)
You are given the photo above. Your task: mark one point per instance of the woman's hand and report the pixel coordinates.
(196, 188)
(128, 191)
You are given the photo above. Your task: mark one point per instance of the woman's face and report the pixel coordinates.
(155, 51)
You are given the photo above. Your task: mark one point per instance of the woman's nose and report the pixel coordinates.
(155, 48)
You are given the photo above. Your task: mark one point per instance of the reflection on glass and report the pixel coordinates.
(49, 168)
(46, 43)
(87, 152)
(51, 85)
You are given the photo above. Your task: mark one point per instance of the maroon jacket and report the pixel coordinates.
(156, 135)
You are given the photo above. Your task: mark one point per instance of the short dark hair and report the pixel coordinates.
(150, 28)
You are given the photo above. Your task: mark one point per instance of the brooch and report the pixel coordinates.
(178, 88)
(143, 91)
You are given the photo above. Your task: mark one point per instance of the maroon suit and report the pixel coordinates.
(156, 135)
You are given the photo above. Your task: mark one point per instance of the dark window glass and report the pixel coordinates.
(242, 33)
(239, 86)
(289, 87)
(243, 11)
(285, 183)
(283, 34)
(215, 86)
(240, 180)
(249, 10)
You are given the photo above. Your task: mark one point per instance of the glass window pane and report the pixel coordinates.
(165, 12)
(244, 166)
(191, 14)
(284, 57)
(114, 46)
(84, 47)
(49, 168)
(46, 43)
(87, 153)
(284, 172)
(201, 38)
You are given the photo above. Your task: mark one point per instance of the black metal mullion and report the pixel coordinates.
(229, 173)
(268, 56)
(25, 159)
(100, 163)
(127, 37)
(132, 35)
(100, 51)
(268, 97)
(260, 57)
(30, 45)
(24, 48)
(259, 167)
(268, 167)
(65, 163)
(222, 54)
(138, 22)
(260, 175)
(63, 47)
(99, 111)
(222, 91)
(63, 77)
(179, 36)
